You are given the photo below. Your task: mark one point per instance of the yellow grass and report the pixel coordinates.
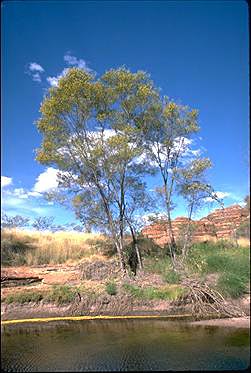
(244, 242)
(52, 248)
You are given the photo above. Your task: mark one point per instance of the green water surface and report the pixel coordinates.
(122, 345)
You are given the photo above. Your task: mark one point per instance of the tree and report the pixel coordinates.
(195, 191)
(247, 202)
(166, 141)
(244, 228)
(43, 223)
(89, 133)
(16, 221)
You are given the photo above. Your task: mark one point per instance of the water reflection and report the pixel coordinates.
(125, 345)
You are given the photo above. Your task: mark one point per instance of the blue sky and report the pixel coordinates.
(195, 51)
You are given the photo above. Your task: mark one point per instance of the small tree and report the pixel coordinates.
(166, 141)
(16, 221)
(193, 188)
(43, 223)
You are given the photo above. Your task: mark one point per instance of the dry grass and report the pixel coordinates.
(244, 242)
(33, 248)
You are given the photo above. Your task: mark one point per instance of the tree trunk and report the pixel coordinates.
(184, 248)
(138, 256)
(172, 243)
(119, 247)
(136, 247)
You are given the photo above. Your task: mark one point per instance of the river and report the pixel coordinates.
(122, 345)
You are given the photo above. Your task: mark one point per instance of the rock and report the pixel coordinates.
(220, 224)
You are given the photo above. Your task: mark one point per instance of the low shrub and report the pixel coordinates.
(151, 293)
(61, 294)
(148, 247)
(158, 265)
(171, 277)
(111, 288)
(24, 297)
(230, 284)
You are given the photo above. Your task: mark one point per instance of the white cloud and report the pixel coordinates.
(73, 61)
(5, 181)
(53, 80)
(33, 66)
(36, 78)
(34, 194)
(35, 70)
(220, 195)
(46, 181)
(20, 193)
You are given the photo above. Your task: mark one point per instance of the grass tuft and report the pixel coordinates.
(151, 293)
(24, 297)
(61, 294)
(111, 288)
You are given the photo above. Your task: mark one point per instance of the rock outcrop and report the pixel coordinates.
(220, 224)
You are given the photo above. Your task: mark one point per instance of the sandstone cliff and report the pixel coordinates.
(220, 224)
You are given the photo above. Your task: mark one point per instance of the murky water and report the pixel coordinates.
(122, 345)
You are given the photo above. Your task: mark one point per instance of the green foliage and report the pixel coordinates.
(61, 294)
(151, 293)
(231, 263)
(24, 297)
(171, 277)
(232, 284)
(111, 288)
(160, 265)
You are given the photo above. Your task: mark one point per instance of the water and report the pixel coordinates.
(122, 345)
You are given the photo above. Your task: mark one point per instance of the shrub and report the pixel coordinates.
(61, 294)
(151, 293)
(171, 277)
(24, 297)
(111, 288)
(158, 265)
(230, 284)
(148, 247)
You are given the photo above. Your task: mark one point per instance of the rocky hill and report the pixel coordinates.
(220, 224)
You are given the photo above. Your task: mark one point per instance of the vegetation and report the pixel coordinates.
(230, 263)
(33, 248)
(105, 135)
(16, 221)
(22, 297)
(61, 294)
(111, 288)
(150, 293)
